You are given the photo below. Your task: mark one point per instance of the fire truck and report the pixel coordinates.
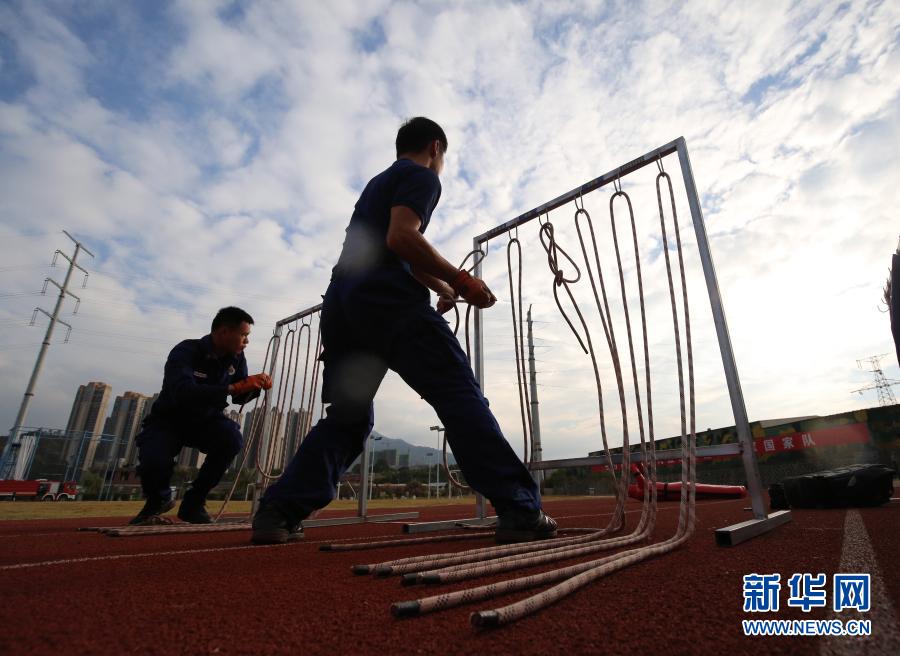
(38, 490)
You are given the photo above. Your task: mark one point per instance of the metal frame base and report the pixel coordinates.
(448, 525)
(240, 525)
(737, 533)
(367, 519)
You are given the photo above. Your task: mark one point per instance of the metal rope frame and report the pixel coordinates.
(732, 535)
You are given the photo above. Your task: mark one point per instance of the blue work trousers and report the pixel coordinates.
(160, 442)
(361, 342)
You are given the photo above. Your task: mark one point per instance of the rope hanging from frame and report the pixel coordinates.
(519, 349)
(477, 256)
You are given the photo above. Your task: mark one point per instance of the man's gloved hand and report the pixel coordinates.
(473, 290)
(251, 384)
(445, 303)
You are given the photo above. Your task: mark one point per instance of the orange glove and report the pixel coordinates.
(473, 290)
(251, 384)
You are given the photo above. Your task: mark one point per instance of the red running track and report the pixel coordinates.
(70, 592)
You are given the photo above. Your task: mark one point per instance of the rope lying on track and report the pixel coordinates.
(365, 546)
(421, 563)
(130, 531)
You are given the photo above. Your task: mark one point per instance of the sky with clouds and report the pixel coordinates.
(210, 153)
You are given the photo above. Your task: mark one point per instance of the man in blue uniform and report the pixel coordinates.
(199, 375)
(377, 316)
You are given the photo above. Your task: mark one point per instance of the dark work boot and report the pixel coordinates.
(522, 525)
(193, 509)
(150, 513)
(272, 526)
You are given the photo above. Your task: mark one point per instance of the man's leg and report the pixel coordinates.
(220, 439)
(310, 480)
(350, 378)
(428, 357)
(157, 448)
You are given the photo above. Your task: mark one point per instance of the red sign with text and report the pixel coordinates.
(836, 435)
(848, 434)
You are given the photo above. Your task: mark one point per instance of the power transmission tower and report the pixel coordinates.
(10, 458)
(882, 384)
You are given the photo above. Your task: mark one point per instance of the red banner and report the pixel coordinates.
(847, 434)
(833, 436)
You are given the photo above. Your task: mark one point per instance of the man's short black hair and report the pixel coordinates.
(231, 316)
(415, 135)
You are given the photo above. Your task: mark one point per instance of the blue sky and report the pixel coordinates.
(210, 153)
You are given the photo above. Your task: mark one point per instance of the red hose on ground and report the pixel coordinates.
(672, 491)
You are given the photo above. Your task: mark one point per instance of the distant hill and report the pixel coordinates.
(418, 455)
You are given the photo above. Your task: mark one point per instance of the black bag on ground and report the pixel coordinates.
(854, 485)
(777, 498)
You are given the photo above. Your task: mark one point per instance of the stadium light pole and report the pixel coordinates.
(372, 439)
(437, 468)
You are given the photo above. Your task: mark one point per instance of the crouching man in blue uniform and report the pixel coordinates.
(199, 375)
(377, 316)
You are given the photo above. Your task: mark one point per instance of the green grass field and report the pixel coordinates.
(17, 510)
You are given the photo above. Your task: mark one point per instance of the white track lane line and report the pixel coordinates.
(180, 552)
(858, 556)
(92, 559)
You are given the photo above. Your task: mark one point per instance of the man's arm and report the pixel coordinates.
(404, 239)
(240, 374)
(179, 378)
(434, 284)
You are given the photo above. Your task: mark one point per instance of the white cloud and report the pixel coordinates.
(230, 175)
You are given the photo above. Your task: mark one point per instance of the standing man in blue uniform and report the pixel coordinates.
(199, 375)
(377, 316)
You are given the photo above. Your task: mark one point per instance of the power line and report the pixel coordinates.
(22, 267)
(168, 283)
(15, 294)
(139, 338)
(9, 347)
(106, 347)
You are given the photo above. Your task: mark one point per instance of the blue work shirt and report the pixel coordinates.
(366, 264)
(195, 382)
